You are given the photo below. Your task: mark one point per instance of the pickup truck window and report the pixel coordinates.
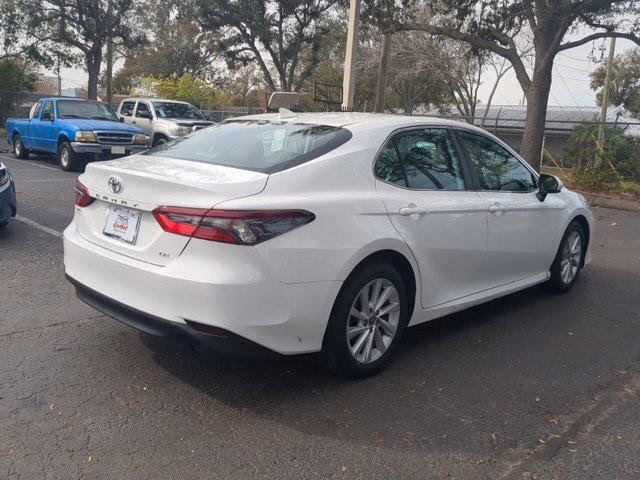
(35, 112)
(143, 110)
(177, 110)
(126, 109)
(90, 110)
(48, 110)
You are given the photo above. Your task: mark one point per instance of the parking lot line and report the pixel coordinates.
(29, 163)
(40, 227)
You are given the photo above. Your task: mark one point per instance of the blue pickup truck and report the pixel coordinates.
(76, 130)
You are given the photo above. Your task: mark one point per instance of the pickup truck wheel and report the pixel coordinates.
(159, 141)
(69, 160)
(19, 149)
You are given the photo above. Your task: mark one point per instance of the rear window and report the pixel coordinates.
(261, 146)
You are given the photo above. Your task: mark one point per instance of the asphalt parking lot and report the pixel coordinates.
(534, 385)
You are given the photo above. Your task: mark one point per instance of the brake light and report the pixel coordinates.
(241, 227)
(82, 195)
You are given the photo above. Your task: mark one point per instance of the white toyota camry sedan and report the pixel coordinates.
(328, 233)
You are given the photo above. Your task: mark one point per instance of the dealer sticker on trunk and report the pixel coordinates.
(122, 223)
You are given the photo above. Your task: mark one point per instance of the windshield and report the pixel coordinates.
(260, 146)
(91, 110)
(177, 110)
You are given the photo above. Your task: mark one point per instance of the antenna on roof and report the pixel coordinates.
(286, 113)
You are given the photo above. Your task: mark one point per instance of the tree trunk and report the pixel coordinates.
(537, 100)
(383, 71)
(94, 60)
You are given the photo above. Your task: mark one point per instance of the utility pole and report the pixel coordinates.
(605, 93)
(383, 71)
(110, 54)
(349, 77)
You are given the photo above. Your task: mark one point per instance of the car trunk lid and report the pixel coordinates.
(141, 183)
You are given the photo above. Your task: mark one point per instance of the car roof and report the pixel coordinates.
(344, 119)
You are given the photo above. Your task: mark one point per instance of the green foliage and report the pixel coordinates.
(625, 81)
(186, 89)
(598, 168)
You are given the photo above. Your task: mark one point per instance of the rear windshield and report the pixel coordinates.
(261, 146)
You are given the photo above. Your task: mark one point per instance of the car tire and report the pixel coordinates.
(68, 160)
(373, 336)
(160, 140)
(569, 259)
(19, 150)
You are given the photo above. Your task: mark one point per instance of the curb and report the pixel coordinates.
(595, 200)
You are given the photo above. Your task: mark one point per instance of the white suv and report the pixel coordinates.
(163, 120)
(318, 232)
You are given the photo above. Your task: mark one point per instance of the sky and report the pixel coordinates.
(570, 85)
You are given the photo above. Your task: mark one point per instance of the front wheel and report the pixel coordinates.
(69, 160)
(569, 259)
(367, 322)
(19, 150)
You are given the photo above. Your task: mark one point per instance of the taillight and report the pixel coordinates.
(241, 227)
(82, 195)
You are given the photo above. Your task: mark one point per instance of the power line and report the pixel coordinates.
(573, 68)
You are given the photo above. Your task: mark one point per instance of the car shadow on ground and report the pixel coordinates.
(429, 397)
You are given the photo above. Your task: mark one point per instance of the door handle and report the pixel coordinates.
(412, 209)
(497, 208)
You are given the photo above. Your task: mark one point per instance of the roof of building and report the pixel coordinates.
(560, 119)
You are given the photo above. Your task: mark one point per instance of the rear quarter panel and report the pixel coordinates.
(351, 219)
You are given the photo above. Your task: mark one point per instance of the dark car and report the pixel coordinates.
(8, 205)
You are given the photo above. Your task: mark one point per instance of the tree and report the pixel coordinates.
(85, 26)
(186, 89)
(16, 76)
(176, 44)
(283, 37)
(625, 81)
(493, 26)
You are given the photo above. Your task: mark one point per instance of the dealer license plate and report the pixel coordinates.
(122, 223)
(117, 150)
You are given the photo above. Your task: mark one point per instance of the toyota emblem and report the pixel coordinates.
(114, 184)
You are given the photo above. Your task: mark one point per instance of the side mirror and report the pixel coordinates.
(121, 119)
(547, 184)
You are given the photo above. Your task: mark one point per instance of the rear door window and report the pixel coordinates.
(126, 109)
(261, 146)
(421, 159)
(143, 110)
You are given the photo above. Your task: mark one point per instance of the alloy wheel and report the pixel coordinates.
(17, 147)
(373, 320)
(571, 256)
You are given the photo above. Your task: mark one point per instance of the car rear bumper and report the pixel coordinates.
(80, 147)
(233, 290)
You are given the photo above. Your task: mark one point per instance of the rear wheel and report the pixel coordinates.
(569, 259)
(19, 150)
(69, 160)
(367, 322)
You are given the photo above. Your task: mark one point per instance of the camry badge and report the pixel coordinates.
(114, 184)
